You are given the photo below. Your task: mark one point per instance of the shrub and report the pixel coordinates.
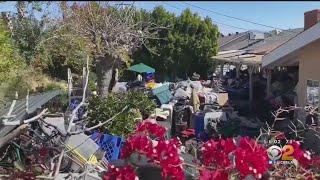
(101, 109)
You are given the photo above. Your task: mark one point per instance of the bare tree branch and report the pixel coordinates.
(108, 28)
(100, 123)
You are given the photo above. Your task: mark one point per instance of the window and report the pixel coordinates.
(312, 92)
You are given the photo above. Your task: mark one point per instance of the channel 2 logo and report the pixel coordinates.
(284, 154)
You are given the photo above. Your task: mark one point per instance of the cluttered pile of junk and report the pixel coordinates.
(196, 110)
(36, 144)
(199, 110)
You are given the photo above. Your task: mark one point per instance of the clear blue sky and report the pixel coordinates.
(283, 14)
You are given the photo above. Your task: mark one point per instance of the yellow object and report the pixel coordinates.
(92, 159)
(151, 85)
(195, 100)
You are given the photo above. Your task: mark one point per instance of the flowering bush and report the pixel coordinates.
(151, 129)
(210, 175)
(217, 152)
(303, 157)
(166, 153)
(122, 173)
(220, 159)
(137, 143)
(163, 152)
(251, 158)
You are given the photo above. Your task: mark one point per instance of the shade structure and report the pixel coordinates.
(141, 68)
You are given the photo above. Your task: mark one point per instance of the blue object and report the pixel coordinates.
(73, 104)
(163, 94)
(149, 77)
(238, 93)
(109, 143)
(198, 121)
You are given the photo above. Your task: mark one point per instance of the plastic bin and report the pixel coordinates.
(109, 143)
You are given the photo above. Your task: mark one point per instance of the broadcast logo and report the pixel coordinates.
(281, 155)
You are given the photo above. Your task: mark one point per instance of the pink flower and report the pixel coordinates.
(303, 157)
(166, 153)
(251, 158)
(136, 143)
(217, 152)
(151, 128)
(121, 173)
(213, 175)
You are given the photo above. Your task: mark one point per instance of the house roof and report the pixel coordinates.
(272, 41)
(290, 47)
(260, 46)
(240, 49)
(224, 39)
(238, 57)
(235, 41)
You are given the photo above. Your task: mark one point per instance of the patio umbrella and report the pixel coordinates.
(141, 68)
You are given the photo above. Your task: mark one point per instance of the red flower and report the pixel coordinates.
(122, 173)
(303, 157)
(176, 141)
(213, 175)
(150, 128)
(166, 153)
(251, 158)
(43, 152)
(138, 143)
(217, 152)
(316, 162)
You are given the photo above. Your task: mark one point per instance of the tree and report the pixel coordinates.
(109, 31)
(9, 59)
(158, 52)
(27, 30)
(57, 53)
(186, 47)
(36, 40)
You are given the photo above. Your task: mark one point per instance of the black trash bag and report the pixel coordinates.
(149, 172)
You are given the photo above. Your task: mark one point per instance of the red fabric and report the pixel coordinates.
(188, 132)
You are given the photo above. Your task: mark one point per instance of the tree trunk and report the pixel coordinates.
(115, 79)
(104, 74)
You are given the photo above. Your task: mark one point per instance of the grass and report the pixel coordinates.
(24, 80)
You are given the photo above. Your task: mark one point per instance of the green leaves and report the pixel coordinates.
(36, 6)
(102, 109)
(8, 59)
(27, 30)
(189, 43)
